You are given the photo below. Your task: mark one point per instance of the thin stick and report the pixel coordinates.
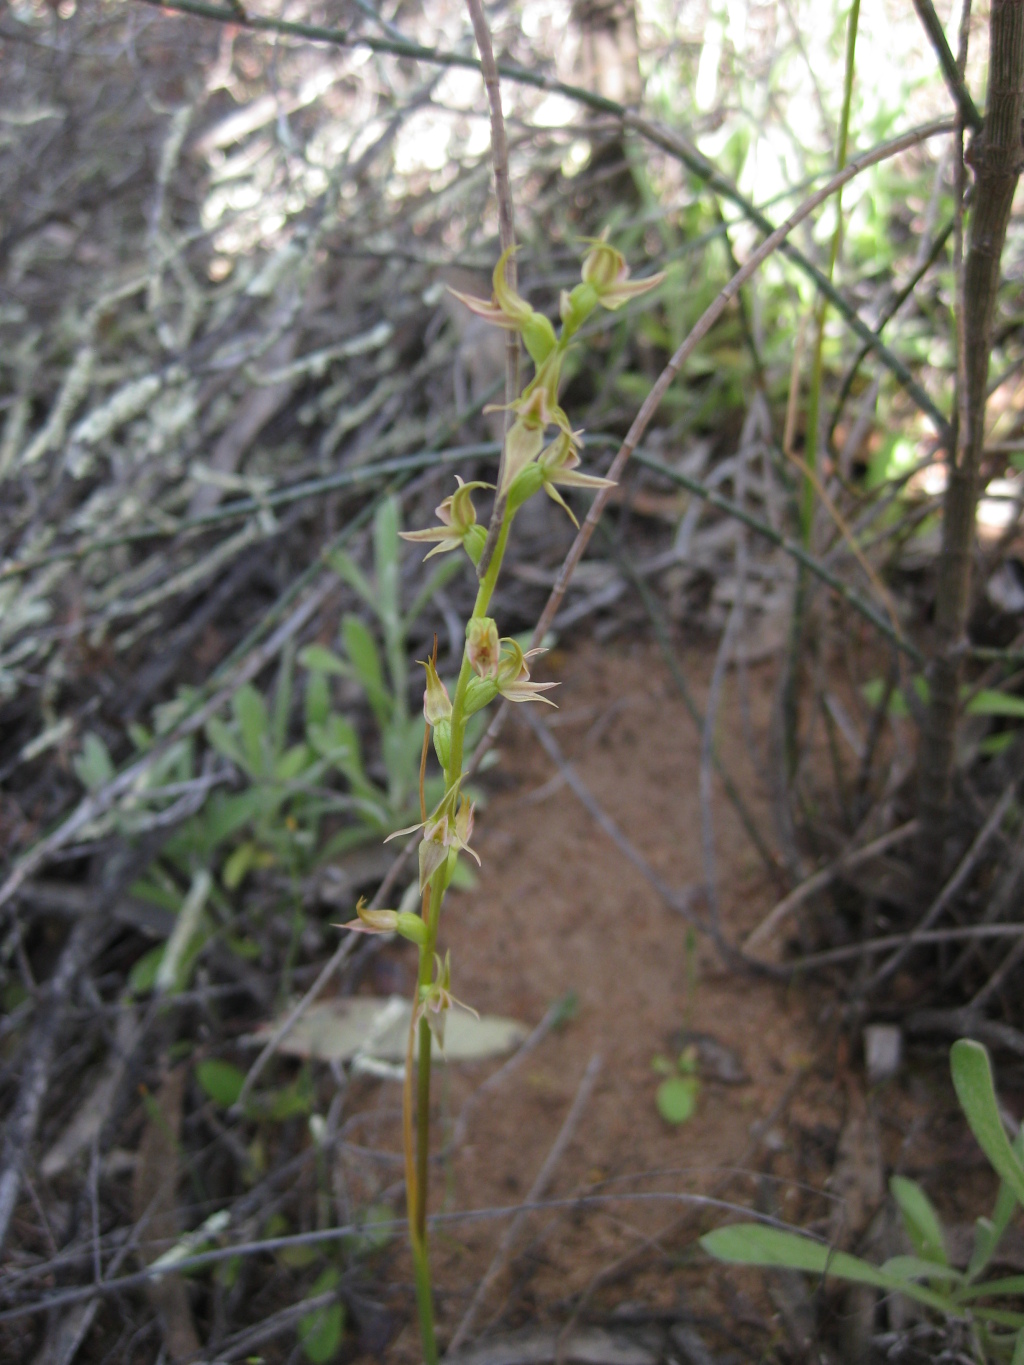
(952, 887)
(322, 1236)
(963, 933)
(508, 1238)
(951, 72)
(35, 1074)
(846, 863)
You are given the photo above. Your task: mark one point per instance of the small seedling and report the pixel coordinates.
(676, 1096)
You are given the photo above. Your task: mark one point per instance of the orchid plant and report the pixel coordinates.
(541, 451)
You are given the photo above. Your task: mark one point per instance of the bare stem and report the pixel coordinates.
(506, 230)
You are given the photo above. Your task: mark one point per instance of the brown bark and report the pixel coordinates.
(996, 159)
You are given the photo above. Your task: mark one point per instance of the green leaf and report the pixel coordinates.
(345, 567)
(755, 1244)
(291, 763)
(361, 649)
(918, 1268)
(677, 1099)
(318, 659)
(254, 723)
(386, 550)
(221, 1081)
(1011, 1284)
(1018, 1349)
(225, 815)
(988, 702)
(972, 1080)
(988, 1232)
(321, 1331)
(920, 1219)
(142, 977)
(283, 698)
(238, 865)
(93, 766)
(223, 740)
(318, 700)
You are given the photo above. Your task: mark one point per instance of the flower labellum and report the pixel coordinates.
(482, 646)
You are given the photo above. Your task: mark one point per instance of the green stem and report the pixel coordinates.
(791, 687)
(814, 395)
(424, 1301)
(483, 601)
(423, 1133)
(418, 1207)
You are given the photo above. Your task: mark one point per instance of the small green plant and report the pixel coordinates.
(987, 1306)
(676, 1096)
(492, 666)
(304, 799)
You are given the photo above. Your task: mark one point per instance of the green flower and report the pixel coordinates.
(458, 523)
(607, 273)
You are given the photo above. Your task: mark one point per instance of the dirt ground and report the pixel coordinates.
(559, 909)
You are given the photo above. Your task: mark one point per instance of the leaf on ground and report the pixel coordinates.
(338, 1030)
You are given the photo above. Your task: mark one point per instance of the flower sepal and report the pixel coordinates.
(479, 693)
(449, 827)
(442, 737)
(401, 922)
(522, 488)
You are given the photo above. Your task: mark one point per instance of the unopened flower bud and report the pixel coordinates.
(376, 921)
(483, 647)
(437, 706)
